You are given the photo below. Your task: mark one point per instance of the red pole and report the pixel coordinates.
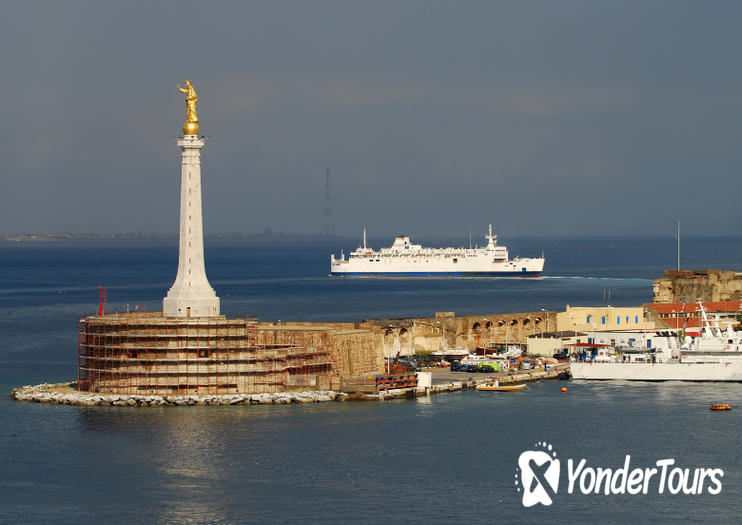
(100, 303)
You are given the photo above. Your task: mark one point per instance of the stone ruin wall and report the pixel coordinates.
(427, 335)
(355, 351)
(707, 285)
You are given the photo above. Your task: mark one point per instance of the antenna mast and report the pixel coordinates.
(328, 228)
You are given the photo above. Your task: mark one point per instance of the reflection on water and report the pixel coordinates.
(339, 461)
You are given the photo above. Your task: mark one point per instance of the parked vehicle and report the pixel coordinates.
(409, 363)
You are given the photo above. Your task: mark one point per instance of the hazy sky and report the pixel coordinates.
(553, 117)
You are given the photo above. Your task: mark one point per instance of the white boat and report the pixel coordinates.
(714, 355)
(455, 353)
(404, 259)
(514, 351)
(497, 361)
(474, 359)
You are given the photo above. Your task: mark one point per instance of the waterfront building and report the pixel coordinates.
(550, 343)
(602, 318)
(687, 315)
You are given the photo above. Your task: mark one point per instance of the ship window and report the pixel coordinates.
(618, 320)
(603, 320)
(588, 320)
(636, 319)
(455, 260)
(627, 318)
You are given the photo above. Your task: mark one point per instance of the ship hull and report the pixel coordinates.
(445, 266)
(727, 371)
(435, 274)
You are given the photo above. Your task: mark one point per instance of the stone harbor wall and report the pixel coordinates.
(446, 331)
(357, 352)
(707, 285)
(355, 349)
(149, 354)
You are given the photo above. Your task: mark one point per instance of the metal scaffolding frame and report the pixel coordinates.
(145, 353)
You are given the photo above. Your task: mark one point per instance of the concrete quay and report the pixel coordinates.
(446, 381)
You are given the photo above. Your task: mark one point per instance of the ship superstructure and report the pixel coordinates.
(404, 258)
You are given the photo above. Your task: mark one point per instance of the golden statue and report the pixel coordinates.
(191, 124)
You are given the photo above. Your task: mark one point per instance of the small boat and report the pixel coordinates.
(503, 388)
(721, 406)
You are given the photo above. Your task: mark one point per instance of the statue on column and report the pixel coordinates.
(191, 124)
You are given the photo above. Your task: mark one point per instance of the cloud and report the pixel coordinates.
(244, 94)
(247, 94)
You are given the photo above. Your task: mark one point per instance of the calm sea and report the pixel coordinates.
(447, 459)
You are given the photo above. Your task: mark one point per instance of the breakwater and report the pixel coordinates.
(66, 394)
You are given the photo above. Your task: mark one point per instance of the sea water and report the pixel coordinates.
(447, 458)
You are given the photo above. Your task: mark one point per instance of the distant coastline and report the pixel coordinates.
(44, 237)
(430, 238)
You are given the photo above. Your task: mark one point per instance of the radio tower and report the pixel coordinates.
(328, 228)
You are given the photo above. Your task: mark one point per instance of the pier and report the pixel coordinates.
(443, 380)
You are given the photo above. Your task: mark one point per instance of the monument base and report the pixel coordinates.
(174, 306)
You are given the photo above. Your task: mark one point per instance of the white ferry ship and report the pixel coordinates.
(407, 259)
(715, 355)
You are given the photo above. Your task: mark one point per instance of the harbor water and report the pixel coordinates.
(448, 458)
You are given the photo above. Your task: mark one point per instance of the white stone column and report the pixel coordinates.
(191, 294)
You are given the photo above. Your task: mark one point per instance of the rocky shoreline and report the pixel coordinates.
(67, 393)
(63, 394)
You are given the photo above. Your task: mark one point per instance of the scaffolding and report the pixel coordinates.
(146, 353)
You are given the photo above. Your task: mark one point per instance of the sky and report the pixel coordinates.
(563, 118)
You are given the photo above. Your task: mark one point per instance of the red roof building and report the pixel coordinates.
(688, 315)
